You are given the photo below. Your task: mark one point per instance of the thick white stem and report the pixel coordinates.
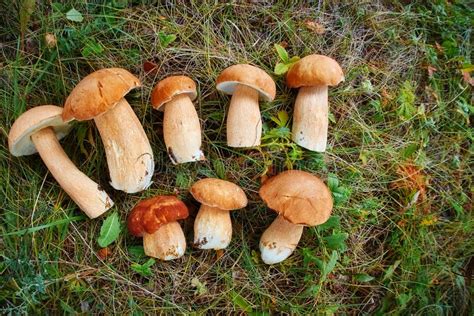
(182, 131)
(244, 122)
(86, 193)
(279, 240)
(167, 243)
(212, 228)
(128, 151)
(310, 118)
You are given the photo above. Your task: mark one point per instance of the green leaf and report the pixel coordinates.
(293, 60)
(74, 15)
(136, 251)
(283, 117)
(282, 53)
(363, 277)
(241, 302)
(391, 270)
(280, 69)
(406, 101)
(333, 182)
(144, 269)
(166, 39)
(336, 241)
(109, 231)
(219, 167)
(328, 267)
(333, 222)
(92, 48)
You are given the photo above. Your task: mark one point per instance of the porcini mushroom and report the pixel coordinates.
(247, 84)
(39, 130)
(100, 96)
(155, 220)
(312, 74)
(300, 199)
(213, 226)
(181, 128)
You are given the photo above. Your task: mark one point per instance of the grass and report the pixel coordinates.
(399, 161)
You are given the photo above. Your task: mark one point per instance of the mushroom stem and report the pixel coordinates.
(128, 151)
(212, 228)
(244, 123)
(82, 190)
(279, 240)
(310, 118)
(182, 131)
(167, 243)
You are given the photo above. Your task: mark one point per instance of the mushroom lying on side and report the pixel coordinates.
(213, 226)
(300, 199)
(100, 96)
(155, 220)
(181, 127)
(246, 84)
(39, 130)
(312, 74)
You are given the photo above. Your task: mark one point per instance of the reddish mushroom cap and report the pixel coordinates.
(149, 215)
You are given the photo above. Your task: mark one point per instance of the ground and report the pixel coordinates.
(399, 161)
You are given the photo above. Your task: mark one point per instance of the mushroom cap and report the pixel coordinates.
(299, 197)
(31, 121)
(170, 87)
(150, 214)
(219, 193)
(97, 93)
(247, 75)
(314, 70)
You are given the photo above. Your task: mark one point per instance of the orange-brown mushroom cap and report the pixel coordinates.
(97, 93)
(150, 214)
(300, 197)
(219, 193)
(170, 87)
(314, 70)
(247, 75)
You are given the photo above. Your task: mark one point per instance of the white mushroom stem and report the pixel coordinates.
(310, 118)
(244, 122)
(212, 228)
(182, 130)
(86, 193)
(128, 151)
(279, 240)
(167, 243)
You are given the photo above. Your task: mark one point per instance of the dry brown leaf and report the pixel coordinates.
(104, 253)
(412, 179)
(50, 40)
(316, 27)
(431, 70)
(150, 67)
(466, 77)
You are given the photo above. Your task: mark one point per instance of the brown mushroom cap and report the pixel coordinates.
(33, 120)
(314, 70)
(247, 75)
(97, 93)
(300, 197)
(218, 193)
(170, 87)
(150, 214)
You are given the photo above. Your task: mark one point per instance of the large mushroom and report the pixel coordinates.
(181, 129)
(300, 199)
(155, 219)
(312, 74)
(100, 96)
(247, 84)
(213, 226)
(39, 130)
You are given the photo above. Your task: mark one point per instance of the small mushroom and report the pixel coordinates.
(181, 127)
(301, 199)
(155, 220)
(312, 74)
(246, 84)
(100, 96)
(213, 226)
(39, 130)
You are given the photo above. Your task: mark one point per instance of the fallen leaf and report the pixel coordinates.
(219, 253)
(316, 27)
(104, 253)
(150, 67)
(466, 76)
(439, 48)
(284, 44)
(50, 40)
(412, 179)
(431, 70)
